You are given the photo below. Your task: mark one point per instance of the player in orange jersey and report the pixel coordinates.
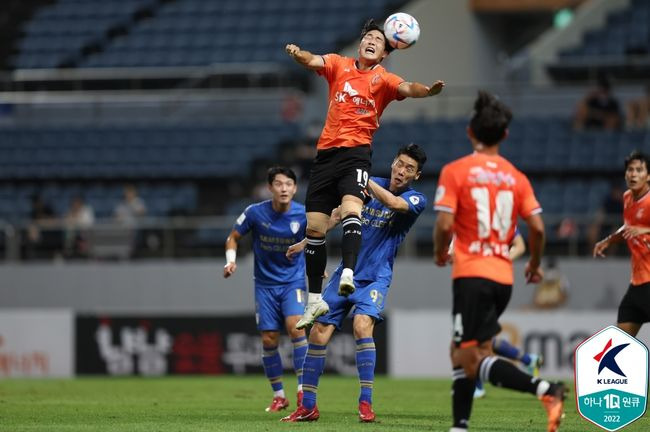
(478, 200)
(634, 309)
(359, 91)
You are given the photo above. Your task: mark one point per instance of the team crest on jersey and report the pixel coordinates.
(415, 200)
(639, 213)
(295, 226)
(375, 79)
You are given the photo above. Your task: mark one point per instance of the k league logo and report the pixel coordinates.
(611, 373)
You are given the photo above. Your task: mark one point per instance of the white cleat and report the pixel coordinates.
(312, 311)
(346, 284)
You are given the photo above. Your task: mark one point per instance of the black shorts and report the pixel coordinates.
(635, 306)
(336, 172)
(478, 304)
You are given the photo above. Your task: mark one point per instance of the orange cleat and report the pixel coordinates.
(554, 404)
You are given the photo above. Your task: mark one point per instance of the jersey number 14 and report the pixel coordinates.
(501, 217)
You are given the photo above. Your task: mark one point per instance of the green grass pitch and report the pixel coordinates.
(237, 404)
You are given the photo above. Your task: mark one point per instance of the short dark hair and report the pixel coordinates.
(414, 151)
(370, 25)
(490, 119)
(637, 155)
(275, 170)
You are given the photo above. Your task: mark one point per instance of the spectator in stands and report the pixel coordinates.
(40, 232)
(599, 109)
(637, 111)
(128, 212)
(607, 216)
(79, 217)
(131, 208)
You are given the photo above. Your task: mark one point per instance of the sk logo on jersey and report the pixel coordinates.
(347, 91)
(347, 88)
(611, 375)
(295, 226)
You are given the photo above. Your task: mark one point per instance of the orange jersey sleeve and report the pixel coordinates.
(486, 194)
(357, 99)
(637, 213)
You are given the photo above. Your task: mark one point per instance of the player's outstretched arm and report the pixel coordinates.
(296, 248)
(386, 197)
(634, 230)
(231, 254)
(305, 58)
(536, 240)
(601, 246)
(442, 235)
(418, 90)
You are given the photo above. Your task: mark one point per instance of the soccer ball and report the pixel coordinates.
(402, 30)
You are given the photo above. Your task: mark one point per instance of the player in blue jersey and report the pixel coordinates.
(275, 224)
(385, 221)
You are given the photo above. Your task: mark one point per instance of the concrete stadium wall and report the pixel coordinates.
(198, 286)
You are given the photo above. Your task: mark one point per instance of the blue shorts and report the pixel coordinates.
(274, 303)
(368, 299)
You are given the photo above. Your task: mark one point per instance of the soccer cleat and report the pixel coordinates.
(366, 414)
(346, 284)
(312, 311)
(536, 361)
(479, 393)
(278, 404)
(554, 404)
(299, 398)
(302, 414)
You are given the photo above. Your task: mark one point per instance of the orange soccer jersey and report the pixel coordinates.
(356, 101)
(637, 213)
(486, 194)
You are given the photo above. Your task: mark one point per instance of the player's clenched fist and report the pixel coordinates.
(292, 49)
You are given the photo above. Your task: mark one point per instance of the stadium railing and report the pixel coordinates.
(194, 237)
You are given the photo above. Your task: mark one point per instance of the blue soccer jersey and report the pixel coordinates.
(273, 233)
(382, 232)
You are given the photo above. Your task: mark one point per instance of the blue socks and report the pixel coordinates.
(272, 366)
(503, 348)
(366, 359)
(299, 352)
(311, 372)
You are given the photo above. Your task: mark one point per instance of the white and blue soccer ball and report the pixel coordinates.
(402, 30)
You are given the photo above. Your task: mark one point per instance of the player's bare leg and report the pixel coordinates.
(629, 327)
